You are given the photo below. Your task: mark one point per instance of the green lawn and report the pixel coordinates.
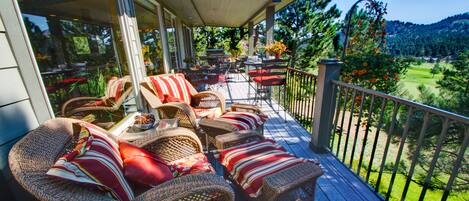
(420, 74)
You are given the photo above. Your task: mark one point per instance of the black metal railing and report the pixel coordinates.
(297, 96)
(404, 150)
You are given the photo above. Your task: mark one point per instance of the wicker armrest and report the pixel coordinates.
(181, 111)
(74, 101)
(191, 187)
(171, 144)
(241, 107)
(303, 175)
(209, 99)
(236, 138)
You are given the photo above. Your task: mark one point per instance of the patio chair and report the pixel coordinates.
(32, 156)
(193, 106)
(292, 179)
(117, 91)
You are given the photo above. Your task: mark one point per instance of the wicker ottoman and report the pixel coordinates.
(292, 182)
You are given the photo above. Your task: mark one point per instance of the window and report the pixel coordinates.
(78, 49)
(150, 37)
(170, 25)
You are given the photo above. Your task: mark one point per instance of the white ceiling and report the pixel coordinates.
(227, 13)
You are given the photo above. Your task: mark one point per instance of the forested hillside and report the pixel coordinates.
(447, 37)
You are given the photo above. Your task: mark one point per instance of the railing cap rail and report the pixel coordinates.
(303, 72)
(449, 115)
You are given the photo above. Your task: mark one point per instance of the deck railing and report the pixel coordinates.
(298, 95)
(403, 149)
(390, 141)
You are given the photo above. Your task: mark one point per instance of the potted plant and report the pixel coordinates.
(277, 48)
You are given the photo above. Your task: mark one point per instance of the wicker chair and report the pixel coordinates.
(185, 113)
(85, 105)
(295, 183)
(33, 155)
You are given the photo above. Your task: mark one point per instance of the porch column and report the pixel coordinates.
(132, 47)
(324, 105)
(251, 38)
(180, 42)
(164, 40)
(269, 24)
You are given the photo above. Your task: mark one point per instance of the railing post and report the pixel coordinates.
(329, 70)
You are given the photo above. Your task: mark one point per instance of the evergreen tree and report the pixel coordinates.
(307, 27)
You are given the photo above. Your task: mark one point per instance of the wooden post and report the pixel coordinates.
(269, 23)
(251, 38)
(324, 104)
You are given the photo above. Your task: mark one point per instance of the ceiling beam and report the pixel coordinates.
(256, 13)
(198, 13)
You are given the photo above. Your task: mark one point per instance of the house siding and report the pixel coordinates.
(18, 113)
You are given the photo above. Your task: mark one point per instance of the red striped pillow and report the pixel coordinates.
(172, 85)
(95, 161)
(243, 120)
(114, 88)
(248, 164)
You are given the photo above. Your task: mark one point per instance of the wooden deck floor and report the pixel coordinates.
(338, 182)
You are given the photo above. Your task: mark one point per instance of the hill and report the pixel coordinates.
(447, 37)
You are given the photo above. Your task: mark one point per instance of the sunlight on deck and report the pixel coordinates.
(337, 183)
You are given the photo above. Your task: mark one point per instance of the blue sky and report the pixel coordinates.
(416, 11)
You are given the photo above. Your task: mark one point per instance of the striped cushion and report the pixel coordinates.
(249, 163)
(114, 88)
(173, 85)
(243, 120)
(94, 161)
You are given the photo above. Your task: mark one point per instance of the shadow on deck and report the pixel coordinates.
(338, 182)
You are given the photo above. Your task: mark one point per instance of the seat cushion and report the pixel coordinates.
(249, 163)
(209, 113)
(257, 72)
(175, 86)
(243, 120)
(95, 161)
(143, 168)
(193, 164)
(270, 80)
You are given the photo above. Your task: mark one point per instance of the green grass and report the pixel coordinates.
(420, 74)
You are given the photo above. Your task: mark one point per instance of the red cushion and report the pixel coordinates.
(196, 163)
(249, 163)
(94, 161)
(270, 80)
(170, 99)
(257, 72)
(173, 85)
(142, 167)
(243, 120)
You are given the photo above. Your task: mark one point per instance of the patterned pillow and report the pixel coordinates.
(248, 164)
(243, 120)
(115, 86)
(193, 164)
(94, 161)
(175, 86)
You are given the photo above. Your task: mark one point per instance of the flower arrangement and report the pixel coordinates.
(277, 48)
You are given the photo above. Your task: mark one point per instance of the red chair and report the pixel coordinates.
(271, 73)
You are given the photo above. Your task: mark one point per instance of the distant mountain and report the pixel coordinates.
(447, 37)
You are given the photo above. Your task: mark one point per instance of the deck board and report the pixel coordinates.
(338, 182)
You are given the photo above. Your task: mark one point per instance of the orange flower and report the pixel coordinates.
(362, 72)
(386, 77)
(354, 72)
(358, 100)
(373, 80)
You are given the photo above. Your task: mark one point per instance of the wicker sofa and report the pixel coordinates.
(32, 156)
